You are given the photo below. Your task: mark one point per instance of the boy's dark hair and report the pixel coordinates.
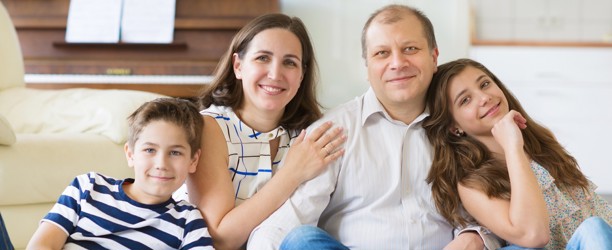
(182, 113)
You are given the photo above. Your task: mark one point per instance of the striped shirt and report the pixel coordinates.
(250, 164)
(96, 213)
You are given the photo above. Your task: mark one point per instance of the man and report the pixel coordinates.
(376, 197)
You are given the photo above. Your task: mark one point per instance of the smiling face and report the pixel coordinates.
(162, 159)
(476, 101)
(400, 62)
(270, 70)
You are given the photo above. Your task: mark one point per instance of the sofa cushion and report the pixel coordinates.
(102, 112)
(38, 167)
(7, 136)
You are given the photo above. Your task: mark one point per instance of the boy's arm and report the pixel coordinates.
(47, 236)
(51, 233)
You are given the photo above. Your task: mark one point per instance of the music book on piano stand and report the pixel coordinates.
(93, 21)
(148, 21)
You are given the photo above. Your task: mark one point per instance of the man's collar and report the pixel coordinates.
(371, 106)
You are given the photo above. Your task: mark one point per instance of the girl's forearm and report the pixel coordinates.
(528, 212)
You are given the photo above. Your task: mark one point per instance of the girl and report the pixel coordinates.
(508, 172)
(262, 96)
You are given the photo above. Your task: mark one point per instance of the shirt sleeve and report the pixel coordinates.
(304, 207)
(65, 212)
(196, 233)
(491, 241)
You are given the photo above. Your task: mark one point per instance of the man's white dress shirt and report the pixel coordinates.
(375, 196)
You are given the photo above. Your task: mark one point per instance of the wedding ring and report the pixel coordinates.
(326, 150)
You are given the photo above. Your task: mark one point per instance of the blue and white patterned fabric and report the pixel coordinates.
(250, 164)
(96, 213)
(5, 241)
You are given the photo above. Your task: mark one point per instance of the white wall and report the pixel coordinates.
(335, 28)
(569, 90)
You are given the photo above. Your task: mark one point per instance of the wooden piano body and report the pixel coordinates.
(203, 31)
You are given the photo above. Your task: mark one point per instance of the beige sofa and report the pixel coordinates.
(47, 137)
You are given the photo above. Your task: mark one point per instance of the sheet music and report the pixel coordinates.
(93, 21)
(148, 21)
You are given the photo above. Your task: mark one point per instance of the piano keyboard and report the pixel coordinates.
(116, 79)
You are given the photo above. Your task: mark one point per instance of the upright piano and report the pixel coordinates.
(203, 30)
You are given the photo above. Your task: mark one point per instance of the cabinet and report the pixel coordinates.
(543, 22)
(203, 31)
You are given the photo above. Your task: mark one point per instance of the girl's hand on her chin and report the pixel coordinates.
(507, 131)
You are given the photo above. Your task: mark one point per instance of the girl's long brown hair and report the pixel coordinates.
(463, 159)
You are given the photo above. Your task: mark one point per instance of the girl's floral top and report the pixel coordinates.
(568, 208)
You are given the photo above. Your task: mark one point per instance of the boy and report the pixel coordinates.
(98, 212)
(5, 241)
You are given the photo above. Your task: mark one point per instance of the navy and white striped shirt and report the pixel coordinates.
(96, 213)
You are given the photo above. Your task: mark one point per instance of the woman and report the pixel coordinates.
(487, 146)
(262, 96)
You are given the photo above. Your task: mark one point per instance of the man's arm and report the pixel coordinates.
(303, 208)
(474, 237)
(271, 232)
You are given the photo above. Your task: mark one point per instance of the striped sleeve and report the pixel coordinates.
(65, 212)
(196, 232)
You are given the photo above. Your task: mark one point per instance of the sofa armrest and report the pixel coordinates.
(7, 136)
